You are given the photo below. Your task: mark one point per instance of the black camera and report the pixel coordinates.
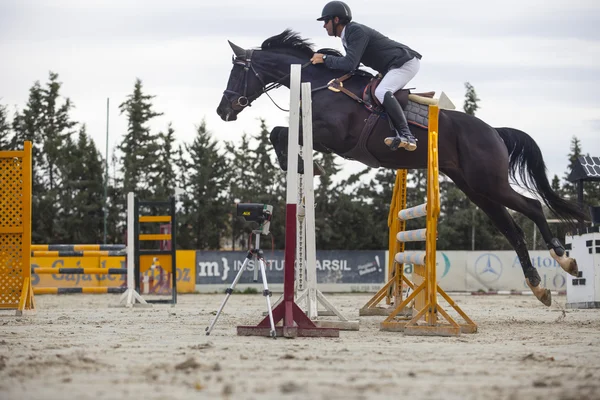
(255, 212)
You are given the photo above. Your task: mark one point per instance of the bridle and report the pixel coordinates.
(241, 101)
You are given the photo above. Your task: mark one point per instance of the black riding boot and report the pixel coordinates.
(404, 138)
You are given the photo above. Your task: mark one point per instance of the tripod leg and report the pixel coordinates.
(267, 295)
(228, 294)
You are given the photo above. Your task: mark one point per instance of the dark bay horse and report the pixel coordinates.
(477, 157)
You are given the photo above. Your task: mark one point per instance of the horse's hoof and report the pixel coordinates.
(546, 298)
(568, 264)
(542, 294)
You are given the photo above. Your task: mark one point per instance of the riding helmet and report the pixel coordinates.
(336, 9)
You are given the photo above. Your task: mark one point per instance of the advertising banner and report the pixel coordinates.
(336, 270)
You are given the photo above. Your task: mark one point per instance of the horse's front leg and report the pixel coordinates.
(279, 139)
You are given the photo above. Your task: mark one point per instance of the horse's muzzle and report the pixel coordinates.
(225, 111)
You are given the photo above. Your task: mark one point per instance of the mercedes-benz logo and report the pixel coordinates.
(488, 268)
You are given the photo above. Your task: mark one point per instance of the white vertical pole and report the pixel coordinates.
(309, 202)
(130, 296)
(292, 167)
(130, 243)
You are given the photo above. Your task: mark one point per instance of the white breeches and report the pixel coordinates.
(397, 78)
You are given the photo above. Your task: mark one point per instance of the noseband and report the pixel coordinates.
(241, 101)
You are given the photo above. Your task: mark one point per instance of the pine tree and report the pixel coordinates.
(204, 202)
(471, 100)
(5, 130)
(83, 197)
(268, 185)
(45, 121)
(325, 203)
(163, 174)
(241, 185)
(569, 189)
(139, 148)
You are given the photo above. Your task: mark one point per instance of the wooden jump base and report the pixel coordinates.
(295, 323)
(73, 290)
(423, 318)
(16, 292)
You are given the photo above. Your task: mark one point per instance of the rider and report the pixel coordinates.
(397, 62)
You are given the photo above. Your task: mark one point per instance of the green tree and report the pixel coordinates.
(139, 148)
(471, 104)
(205, 209)
(241, 187)
(46, 122)
(324, 199)
(82, 199)
(569, 189)
(5, 129)
(163, 174)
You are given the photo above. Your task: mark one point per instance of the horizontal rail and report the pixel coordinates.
(413, 212)
(77, 247)
(15, 229)
(411, 257)
(150, 252)
(91, 271)
(162, 236)
(68, 253)
(158, 218)
(70, 290)
(417, 235)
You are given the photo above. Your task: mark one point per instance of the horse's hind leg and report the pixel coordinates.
(532, 209)
(513, 233)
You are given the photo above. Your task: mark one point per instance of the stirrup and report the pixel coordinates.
(406, 142)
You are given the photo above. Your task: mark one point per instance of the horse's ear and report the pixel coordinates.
(237, 50)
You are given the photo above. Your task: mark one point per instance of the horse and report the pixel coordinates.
(479, 159)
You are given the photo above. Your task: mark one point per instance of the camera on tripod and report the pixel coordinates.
(256, 212)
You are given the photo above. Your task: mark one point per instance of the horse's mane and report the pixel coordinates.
(291, 40)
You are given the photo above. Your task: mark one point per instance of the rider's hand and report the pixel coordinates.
(317, 58)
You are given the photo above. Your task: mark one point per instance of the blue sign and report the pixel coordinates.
(334, 266)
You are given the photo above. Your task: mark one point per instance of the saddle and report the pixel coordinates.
(368, 95)
(402, 95)
(415, 106)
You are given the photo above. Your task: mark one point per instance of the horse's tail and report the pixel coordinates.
(526, 162)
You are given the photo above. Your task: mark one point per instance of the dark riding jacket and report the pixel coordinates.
(366, 45)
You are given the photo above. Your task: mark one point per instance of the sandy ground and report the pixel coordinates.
(77, 347)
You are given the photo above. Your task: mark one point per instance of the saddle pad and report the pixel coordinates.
(417, 114)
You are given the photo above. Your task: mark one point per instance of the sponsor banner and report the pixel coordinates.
(501, 270)
(333, 267)
(471, 271)
(346, 271)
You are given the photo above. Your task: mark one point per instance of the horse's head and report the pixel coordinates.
(244, 86)
(253, 70)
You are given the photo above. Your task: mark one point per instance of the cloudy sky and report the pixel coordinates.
(535, 64)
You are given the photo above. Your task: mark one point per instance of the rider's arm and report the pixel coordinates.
(356, 43)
